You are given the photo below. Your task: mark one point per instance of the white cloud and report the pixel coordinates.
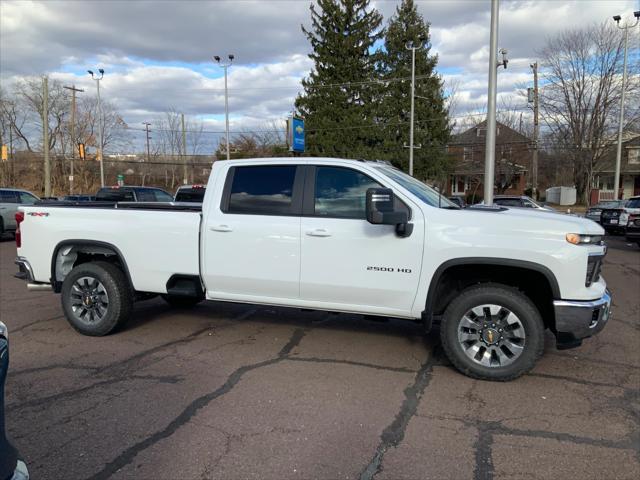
(158, 54)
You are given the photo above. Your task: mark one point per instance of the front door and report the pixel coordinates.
(347, 262)
(251, 248)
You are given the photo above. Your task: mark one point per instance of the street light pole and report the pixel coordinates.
(146, 126)
(490, 145)
(73, 132)
(100, 123)
(626, 27)
(413, 47)
(225, 66)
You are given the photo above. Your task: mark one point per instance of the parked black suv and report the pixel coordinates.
(11, 467)
(133, 194)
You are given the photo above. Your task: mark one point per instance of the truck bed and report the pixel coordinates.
(156, 240)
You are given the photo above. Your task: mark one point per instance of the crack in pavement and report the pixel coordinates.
(42, 320)
(580, 381)
(350, 362)
(72, 393)
(483, 469)
(393, 434)
(193, 408)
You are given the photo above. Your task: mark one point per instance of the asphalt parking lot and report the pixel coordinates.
(236, 391)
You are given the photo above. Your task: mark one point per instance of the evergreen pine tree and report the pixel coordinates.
(338, 99)
(431, 127)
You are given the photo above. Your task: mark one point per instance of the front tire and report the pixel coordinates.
(492, 332)
(96, 298)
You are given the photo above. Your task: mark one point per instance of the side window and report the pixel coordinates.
(341, 192)
(8, 196)
(528, 204)
(145, 195)
(508, 202)
(262, 190)
(162, 196)
(27, 198)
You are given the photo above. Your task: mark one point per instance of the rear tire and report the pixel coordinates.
(492, 332)
(96, 298)
(180, 301)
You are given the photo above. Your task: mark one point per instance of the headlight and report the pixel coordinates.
(624, 216)
(3, 330)
(582, 239)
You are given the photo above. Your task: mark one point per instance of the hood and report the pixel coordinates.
(540, 221)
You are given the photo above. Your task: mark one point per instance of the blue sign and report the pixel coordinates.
(297, 130)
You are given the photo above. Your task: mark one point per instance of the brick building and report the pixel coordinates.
(467, 152)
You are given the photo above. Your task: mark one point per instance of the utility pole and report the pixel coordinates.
(536, 132)
(185, 180)
(490, 146)
(45, 136)
(100, 123)
(626, 27)
(146, 126)
(413, 47)
(225, 66)
(73, 132)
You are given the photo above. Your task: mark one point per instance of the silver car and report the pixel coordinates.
(594, 211)
(10, 200)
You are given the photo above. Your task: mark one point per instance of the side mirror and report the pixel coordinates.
(381, 210)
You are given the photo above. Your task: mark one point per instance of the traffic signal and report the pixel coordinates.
(81, 151)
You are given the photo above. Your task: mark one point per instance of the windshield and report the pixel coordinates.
(427, 194)
(633, 203)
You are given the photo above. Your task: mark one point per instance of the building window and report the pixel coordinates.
(634, 155)
(467, 154)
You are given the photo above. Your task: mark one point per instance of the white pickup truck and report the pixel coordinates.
(335, 235)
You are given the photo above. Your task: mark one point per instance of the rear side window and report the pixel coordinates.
(508, 202)
(262, 190)
(341, 192)
(145, 195)
(8, 196)
(27, 198)
(162, 196)
(190, 195)
(115, 195)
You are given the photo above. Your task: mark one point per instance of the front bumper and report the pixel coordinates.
(576, 320)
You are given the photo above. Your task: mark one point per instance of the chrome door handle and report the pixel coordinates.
(221, 228)
(319, 232)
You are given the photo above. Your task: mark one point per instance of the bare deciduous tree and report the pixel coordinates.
(581, 78)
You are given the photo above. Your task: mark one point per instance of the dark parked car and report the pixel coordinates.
(79, 198)
(133, 194)
(458, 201)
(190, 193)
(594, 212)
(11, 466)
(633, 229)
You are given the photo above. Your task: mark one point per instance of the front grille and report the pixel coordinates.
(594, 264)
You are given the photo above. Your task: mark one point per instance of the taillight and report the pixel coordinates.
(18, 235)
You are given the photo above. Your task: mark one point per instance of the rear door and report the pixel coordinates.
(251, 238)
(348, 263)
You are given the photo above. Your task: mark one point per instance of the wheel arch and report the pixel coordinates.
(454, 275)
(85, 251)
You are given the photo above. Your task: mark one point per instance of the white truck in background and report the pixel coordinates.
(336, 235)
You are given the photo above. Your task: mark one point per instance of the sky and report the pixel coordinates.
(157, 55)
